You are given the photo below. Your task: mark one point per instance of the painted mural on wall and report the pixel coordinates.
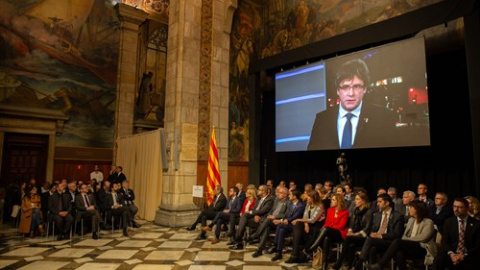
(243, 39)
(62, 55)
(291, 24)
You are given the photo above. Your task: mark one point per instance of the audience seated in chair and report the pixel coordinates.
(284, 227)
(253, 217)
(334, 229)
(31, 218)
(387, 226)
(359, 227)
(59, 208)
(234, 205)
(218, 204)
(270, 221)
(129, 198)
(460, 248)
(116, 207)
(417, 241)
(305, 230)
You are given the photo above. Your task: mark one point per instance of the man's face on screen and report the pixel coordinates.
(350, 92)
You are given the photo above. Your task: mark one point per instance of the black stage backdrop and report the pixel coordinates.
(447, 165)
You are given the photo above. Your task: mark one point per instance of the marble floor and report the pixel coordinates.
(149, 247)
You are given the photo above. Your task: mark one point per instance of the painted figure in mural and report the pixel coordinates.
(241, 54)
(8, 85)
(144, 104)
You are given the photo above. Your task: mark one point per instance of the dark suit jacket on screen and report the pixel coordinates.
(376, 128)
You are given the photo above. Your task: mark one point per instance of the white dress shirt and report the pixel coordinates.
(342, 119)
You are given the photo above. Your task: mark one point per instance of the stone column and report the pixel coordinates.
(196, 100)
(181, 114)
(130, 18)
(223, 11)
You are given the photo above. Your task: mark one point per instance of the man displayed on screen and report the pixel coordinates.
(355, 123)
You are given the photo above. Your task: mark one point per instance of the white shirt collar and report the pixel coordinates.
(342, 112)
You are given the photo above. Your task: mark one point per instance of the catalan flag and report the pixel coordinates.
(213, 174)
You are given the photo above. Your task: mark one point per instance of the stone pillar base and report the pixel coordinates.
(172, 217)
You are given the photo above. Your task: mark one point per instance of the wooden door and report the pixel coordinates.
(24, 158)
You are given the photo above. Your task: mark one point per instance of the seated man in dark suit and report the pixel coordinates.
(460, 240)
(353, 124)
(422, 190)
(72, 194)
(116, 206)
(387, 226)
(234, 205)
(440, 211)
(129, 197)
(273, 218)
(52, 189)
(87, 207)
(102, 195)
(252, 219)
(284, 226)
(241, 193)
(218, 204)
(59, 207)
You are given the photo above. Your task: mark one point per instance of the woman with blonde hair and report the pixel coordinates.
(248, 203)
(474, 207)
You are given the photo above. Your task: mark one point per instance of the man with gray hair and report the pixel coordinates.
(252, 218)
(241, 193)
(392, 191)
(408, 196)
(218, 204)
(277, 212)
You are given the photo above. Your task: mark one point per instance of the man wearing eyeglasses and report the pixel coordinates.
(353, 124)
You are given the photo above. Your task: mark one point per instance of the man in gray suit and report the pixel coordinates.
(278, 211)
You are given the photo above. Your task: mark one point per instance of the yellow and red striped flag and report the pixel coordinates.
(213, 174)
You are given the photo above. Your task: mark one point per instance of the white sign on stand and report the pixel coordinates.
(197, 191)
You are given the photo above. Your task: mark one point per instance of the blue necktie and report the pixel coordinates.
(347, 133)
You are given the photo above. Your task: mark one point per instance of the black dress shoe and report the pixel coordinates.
(271, 250)
(277, 256)
(95, 236)
(190, 228)
(237, 246)
(201, 237)
(125, 232)
(257, 253)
